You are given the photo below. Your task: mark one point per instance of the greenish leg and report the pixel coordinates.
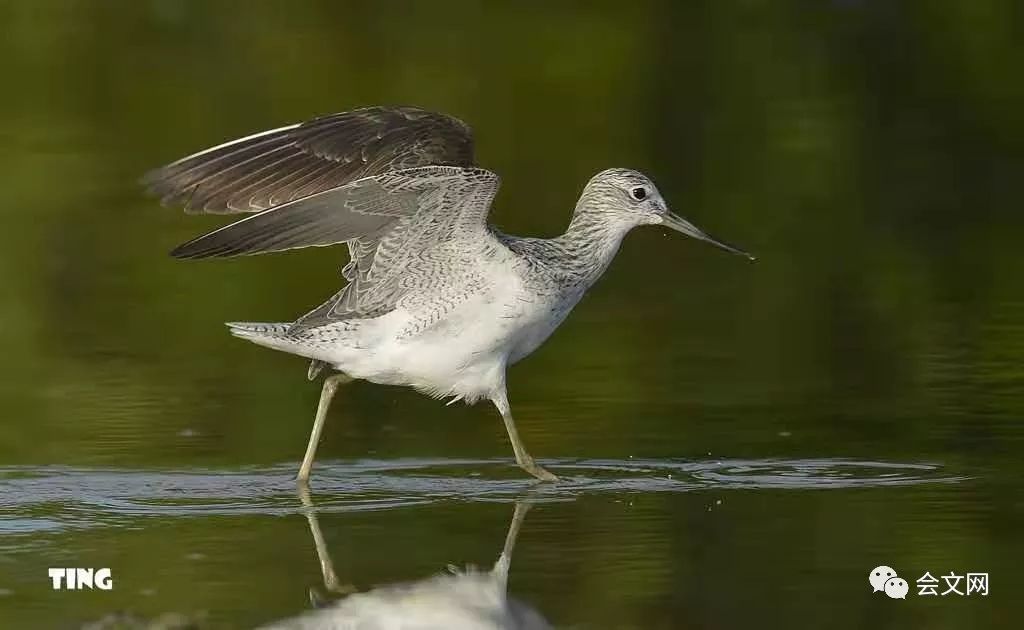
(523, 458)
(326, 394)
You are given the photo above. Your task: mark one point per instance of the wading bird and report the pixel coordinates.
(436, 298)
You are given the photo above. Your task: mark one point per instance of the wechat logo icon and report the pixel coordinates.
(884, 579)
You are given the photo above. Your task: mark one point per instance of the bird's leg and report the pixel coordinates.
(326, 394)
(523, 458)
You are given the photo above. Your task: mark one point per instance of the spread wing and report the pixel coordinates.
(394, 224)
(267, 169)
(391, 183)
(426, 205)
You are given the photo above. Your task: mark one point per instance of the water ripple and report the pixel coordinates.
(51, 498)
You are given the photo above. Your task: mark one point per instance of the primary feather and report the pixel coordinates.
(267, 169)
(388, 182)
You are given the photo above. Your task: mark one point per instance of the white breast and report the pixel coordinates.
(465, 353)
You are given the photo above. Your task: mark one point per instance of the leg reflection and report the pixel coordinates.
(333, 585)
(458, 599)
(331, 582)
(501, 567)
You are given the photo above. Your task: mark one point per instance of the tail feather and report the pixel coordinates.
(322, 344)
(272, 335)
(250, 329)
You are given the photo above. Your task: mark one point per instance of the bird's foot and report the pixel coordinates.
(537, 471)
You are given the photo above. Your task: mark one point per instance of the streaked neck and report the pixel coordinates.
(591, 241)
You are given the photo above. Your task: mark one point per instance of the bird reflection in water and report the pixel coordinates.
(467, 599)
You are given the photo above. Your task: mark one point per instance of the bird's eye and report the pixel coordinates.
(639, 193)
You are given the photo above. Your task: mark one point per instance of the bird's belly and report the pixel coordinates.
(462, 355)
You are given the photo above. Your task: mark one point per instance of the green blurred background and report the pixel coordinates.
(870, 154)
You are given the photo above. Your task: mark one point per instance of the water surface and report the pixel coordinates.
(740, 443)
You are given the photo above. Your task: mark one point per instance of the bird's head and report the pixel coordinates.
(626, 198)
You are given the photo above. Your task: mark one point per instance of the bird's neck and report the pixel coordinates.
(591, 241)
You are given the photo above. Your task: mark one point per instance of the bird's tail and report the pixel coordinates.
(272, 335)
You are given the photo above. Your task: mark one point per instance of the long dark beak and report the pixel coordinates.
(679, 224)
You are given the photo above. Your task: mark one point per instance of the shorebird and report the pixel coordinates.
(436, 298)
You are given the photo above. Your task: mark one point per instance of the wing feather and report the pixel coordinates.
(393, 183)
(416, 250)
(327, 218)
(348, 146)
